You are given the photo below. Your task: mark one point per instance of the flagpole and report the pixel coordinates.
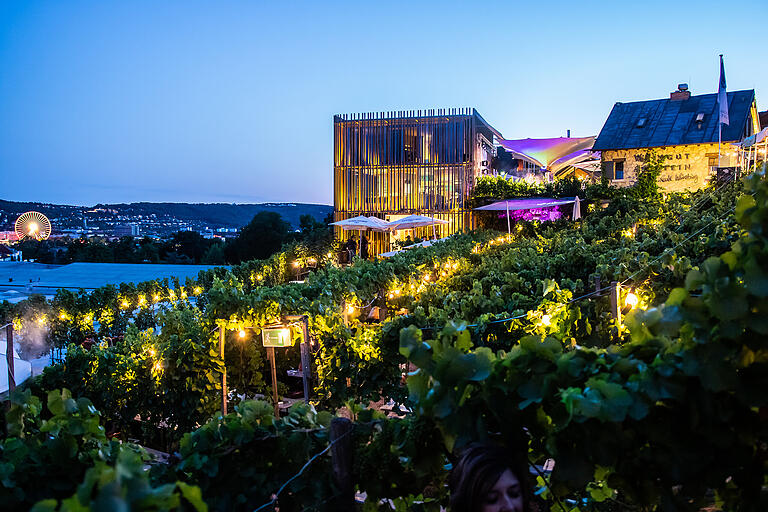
(719, 138)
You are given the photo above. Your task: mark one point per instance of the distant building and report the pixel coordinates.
(126, 230)
(683, 128)
(9, 254)
(7, 237)
(393, 164)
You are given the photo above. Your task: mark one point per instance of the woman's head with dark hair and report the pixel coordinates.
(487, 478)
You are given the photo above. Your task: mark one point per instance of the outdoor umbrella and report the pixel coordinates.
(577, 208)
(416, 221)
(526, 204)
(363, 223)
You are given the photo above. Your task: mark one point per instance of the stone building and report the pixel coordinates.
(683, 128)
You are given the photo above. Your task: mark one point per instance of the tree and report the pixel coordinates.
(215, 254)
(261, 238)
(188, 243)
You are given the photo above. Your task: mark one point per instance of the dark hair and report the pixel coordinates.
(477, 471)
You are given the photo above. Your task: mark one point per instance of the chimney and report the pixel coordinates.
(568, 134)
(682, 93)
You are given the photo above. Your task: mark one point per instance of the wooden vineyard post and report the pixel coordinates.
(341, 464)
(306, 362)
(222, 332)
(273, 367)
(615, 310)
(9, 360)
(306, 355)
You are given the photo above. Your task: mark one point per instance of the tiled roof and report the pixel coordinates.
(654, 123)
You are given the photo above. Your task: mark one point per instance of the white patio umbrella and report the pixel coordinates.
(363, 223)
(416, 221)
(576, 208)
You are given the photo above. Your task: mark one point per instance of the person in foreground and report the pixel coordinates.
(487, 479)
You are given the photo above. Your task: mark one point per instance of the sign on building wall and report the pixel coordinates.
(686, 167)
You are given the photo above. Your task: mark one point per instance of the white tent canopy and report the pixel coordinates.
(531, 203)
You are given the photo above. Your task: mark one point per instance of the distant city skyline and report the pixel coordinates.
(118, 102)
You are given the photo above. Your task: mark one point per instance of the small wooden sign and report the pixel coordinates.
(276, 337)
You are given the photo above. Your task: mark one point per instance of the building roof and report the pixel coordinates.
(421, 114)
(545, 152)
(667, 122)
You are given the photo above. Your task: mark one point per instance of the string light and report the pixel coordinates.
(242, 333)
(546, 320)
(350, 309)
(631, 300)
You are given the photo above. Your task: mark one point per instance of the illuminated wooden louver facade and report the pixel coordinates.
(415, 162)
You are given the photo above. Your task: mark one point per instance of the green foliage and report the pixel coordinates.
(170, 381)
(48, 447)
(647, 184)
(259, 239)
(241, 460)
(498, 187)
(125, 485)
(661, 420)
(623, 409)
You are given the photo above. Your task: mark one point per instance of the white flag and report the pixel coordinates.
(722, 96)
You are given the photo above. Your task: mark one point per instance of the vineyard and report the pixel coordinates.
(485, 336)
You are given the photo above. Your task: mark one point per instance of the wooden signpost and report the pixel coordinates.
(281, 337)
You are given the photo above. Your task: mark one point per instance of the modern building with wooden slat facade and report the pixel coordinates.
(393, 164)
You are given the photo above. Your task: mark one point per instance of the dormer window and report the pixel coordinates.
(641, 122)
(700, 117)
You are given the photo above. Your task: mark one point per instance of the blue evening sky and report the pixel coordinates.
(120, 101)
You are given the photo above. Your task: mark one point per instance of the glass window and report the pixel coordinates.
(618, 168)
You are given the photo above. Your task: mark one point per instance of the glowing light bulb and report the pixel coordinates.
(546, 320)
(158, 366)
(296, 264)
(152, 352)
(631, 300)
(125, 304)
(63, 315)
(242, 333)
(350, 309)
(33, 228)
(198, 290)
(156, 297)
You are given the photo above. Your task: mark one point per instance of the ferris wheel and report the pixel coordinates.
(33, 225)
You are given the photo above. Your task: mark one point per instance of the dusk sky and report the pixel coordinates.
(110, 101)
